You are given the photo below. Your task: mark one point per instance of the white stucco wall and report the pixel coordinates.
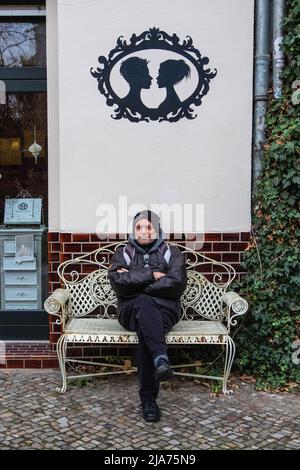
(53, 116)
(204, 161)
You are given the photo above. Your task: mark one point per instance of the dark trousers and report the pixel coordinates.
(151, 322)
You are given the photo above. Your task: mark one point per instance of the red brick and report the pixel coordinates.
(71, 248)
(238, 246)
(204, 268)
(76, 266)
(49, 363)
(53, 256)
(219, 269)
(51, 287)
(113, 237)
(106, 238)
(65, 237)
(230, 257)
(53, 337)
(231, 237)
(75, 351)
(203, 248)
(87, 247)
(53, 236)
(94, 238)
(90, 351)
(213, 237)
(215, 256)
(55, 246)
(80, 237)
(109, 351)
(33, 363)
(245, 236)
(64, 257)
(52, 277)
(88, 268)
(55, 328)
(221, 246)
(225, 278)
(54, 266)
(15, 364)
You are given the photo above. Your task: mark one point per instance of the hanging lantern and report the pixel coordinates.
(35, 148)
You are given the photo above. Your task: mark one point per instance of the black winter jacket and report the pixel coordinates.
(165, 291)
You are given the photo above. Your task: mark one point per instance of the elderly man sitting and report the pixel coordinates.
(149, 277)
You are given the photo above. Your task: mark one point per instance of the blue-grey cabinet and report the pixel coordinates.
(21, 278)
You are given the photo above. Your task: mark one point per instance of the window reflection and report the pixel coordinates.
(23, 44)
(18, 117)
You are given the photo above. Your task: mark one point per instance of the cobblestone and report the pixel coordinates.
(105, 414)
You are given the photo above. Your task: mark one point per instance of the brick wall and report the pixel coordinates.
(28, 355)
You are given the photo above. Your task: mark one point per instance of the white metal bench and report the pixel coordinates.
(86, 308)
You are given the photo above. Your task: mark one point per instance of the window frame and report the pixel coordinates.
(24, 79)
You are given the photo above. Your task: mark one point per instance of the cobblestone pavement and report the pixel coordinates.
(105, 414)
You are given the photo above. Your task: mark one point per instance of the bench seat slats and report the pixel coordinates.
(99, 326)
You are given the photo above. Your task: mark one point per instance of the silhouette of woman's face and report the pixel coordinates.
(162, 79)
(171, 72)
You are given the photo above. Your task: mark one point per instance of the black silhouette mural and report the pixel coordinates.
(135, 71)
(170, 73)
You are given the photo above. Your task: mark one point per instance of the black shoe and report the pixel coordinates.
(163, 371)
(151, 411)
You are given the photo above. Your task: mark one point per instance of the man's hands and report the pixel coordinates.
(157, 275)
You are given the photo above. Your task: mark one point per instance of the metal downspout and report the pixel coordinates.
(278, 54)
(261, 84)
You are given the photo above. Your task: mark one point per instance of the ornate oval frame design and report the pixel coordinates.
(153, 39)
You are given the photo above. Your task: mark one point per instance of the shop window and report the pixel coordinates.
(23, 167)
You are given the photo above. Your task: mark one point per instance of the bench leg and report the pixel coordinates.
(230, 353)
(61, 353)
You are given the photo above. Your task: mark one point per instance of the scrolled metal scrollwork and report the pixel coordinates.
(100, 289)
(239, 306)
(193, 290)
(53, 307)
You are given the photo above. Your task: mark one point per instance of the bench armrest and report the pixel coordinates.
(56, 304)
(235, 304)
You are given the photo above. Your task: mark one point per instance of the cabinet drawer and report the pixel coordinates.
(20, 293)
(20, 306)
(9, 264)
(9, 247)
(13, 278)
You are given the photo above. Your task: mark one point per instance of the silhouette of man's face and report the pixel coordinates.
(136, 73)
(144, 80)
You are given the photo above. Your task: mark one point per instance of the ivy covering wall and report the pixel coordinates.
(268, 340)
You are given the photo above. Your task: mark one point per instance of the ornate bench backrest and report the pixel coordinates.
(92, 292)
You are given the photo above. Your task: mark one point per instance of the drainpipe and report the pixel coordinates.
(261, 84)
(278, 55)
